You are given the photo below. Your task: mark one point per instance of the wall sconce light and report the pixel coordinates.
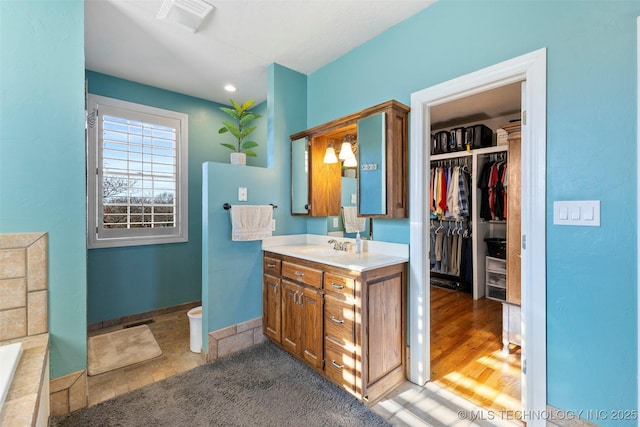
(346, 151)
(330, 155)
(351, 162)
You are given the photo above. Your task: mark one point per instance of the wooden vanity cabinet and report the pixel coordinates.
(302, 322)
(351, 328)
(271, 298)
(324, 189)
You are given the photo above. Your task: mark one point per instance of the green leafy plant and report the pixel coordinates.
(241, 127)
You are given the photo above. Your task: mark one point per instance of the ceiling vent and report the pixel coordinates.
(189, 13)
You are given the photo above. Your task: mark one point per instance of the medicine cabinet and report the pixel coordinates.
(379, 140)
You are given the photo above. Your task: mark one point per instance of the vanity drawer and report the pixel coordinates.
(339, 285)
(340, 365)
(271, 266)
(339, 321)
(300, 273)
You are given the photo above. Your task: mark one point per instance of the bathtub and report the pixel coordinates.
(9, 359)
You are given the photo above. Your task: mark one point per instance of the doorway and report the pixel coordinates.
(530, 68)
(474, 268)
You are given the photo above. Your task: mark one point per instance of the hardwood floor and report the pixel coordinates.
(466, 351)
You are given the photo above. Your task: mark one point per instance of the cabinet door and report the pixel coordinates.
(291, 319)
(311, 327)
(271, 311)
(300, 176)
(384, 327)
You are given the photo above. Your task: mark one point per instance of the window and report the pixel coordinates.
(137, 174)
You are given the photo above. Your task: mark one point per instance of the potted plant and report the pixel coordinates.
(240, 128)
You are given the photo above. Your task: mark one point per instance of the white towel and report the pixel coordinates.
(251, 222)
(352, 222)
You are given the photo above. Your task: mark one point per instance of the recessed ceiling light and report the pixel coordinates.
(230, 88)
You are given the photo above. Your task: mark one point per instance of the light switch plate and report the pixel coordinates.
(577, 212)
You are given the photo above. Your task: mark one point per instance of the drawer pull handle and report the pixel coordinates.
(299, 273)
(275, 289)
(333, 362)
(271, 265)
(336, 320)
(335, 286)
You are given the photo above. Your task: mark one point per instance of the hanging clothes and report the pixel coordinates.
(449, 192)
(491, 182)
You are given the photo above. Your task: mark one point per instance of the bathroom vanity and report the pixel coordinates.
(342, 313)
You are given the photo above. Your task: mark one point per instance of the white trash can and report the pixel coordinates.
(195, 329)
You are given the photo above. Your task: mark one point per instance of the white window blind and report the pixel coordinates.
(140, 174)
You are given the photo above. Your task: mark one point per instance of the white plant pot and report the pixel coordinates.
(238, 159)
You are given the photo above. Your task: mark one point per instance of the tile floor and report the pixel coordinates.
(408, 405)
(172, 334)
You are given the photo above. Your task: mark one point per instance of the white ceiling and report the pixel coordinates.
(498, 102)
(235, 44)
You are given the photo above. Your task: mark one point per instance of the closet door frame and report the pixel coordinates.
(638, 183)
(529, 68)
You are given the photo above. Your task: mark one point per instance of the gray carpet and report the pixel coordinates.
(259, 386)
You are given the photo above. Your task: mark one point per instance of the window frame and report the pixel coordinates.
(98, 237)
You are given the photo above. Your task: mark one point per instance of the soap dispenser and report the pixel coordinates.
(358, 243)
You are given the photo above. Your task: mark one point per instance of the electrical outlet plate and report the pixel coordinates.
(242, 194)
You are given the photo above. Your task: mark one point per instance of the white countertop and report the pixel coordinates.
(315, 248)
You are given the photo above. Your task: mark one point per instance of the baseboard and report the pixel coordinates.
(68, 393)
(141, 316)
(234, 338)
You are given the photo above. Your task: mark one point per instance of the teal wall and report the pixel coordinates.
(42, 170)
(591, 121)
(136, 279)
(232, 270)
(591, 154)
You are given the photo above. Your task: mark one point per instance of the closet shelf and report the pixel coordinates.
(478, 151)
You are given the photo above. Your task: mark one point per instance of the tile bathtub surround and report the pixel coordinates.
(234, 338)
(68, 393)
(23, 285)
(30, 384)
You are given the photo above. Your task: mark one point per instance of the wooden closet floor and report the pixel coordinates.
(466, 351)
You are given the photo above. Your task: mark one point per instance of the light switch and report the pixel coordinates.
(577, 212)
(587, 213)
(242, 194)
(335, 222)
(563, 213)
(354, 199)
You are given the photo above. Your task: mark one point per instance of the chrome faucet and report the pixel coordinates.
(340, 246)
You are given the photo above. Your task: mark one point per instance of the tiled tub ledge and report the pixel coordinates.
(27, 402)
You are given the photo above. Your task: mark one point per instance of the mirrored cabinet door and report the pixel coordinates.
(372, 194)
(300, 177)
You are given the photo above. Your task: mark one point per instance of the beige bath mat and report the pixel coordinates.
(121, 348)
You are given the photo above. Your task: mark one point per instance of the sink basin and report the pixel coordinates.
(324, 252)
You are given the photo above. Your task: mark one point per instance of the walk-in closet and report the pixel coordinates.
(474, 197)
